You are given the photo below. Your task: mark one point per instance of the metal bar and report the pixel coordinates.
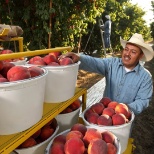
(33, 53)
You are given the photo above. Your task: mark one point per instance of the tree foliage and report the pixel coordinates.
(152, 24)
(71, 22)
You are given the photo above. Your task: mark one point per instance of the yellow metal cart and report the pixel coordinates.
(10, 142)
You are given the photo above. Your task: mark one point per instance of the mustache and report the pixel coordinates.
(127, 56)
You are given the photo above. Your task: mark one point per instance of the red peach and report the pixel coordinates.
(2, 79)
(112, 104)
(129, 115)
(98, 108)
(37, 60)
(74, 134)
(60, 139)
(74, 146)
(1, 76)
(18, 73)
(87, 112)
(53, 123)
(57, 149)
(67, 110)
(91, 134)
(92, 118)
(75, 105)
(122, 108)
(35, 71)
(79, 127)
(104, 120)
(66, 61)
(97, 146)
(7, 51)
(109, 111)
(46, 132)
(108, 137)
(6, 67)
(49, 58)
(55, 54)
(28, 143)
(118, 119)
(105, 101)
(111, 149)
(36, 134)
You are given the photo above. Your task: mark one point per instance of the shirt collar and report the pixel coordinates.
(136, 69)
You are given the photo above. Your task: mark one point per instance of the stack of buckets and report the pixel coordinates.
(21, 104)
(60, 86)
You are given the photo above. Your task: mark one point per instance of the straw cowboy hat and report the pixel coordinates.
(138, 40)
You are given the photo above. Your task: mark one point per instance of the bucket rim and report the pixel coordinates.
(62, 66)
(8, 84)
(108, 127)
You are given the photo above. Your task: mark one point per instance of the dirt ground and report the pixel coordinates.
(143, 129)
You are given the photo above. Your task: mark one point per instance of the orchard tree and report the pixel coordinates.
(64, 21)
(152, 24)
(72, 23)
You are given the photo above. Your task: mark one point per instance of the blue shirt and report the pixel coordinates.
(133, 88)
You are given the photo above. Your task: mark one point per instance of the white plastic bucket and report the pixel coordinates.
(21, 104)
(67, 120)
(37, 149)
(61, 82)
(116, 142)
(121, 131)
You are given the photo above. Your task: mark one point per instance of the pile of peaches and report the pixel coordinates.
(107, 113)
(41, 135)
(72, 107)
(50, 59)
(83, 140)
(10, 72)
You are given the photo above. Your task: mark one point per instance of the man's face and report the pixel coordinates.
(131, 55)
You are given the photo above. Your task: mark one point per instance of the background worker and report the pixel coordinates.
(126, 80)
(107, 31)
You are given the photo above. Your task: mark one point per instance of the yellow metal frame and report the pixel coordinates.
(19, 39)
(33, 53)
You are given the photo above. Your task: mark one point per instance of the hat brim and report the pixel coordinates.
(147, 50)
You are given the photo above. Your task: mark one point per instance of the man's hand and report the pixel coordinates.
(73, 56)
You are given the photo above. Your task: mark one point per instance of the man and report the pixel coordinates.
(107, 31)
(126, 80)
